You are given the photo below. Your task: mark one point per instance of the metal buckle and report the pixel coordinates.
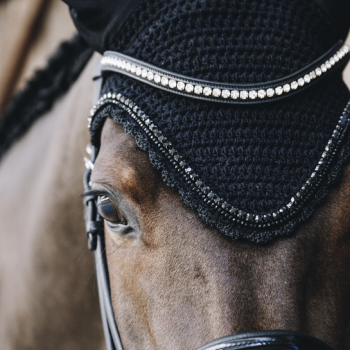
(93, 222)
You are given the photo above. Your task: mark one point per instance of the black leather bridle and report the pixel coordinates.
(273, 339)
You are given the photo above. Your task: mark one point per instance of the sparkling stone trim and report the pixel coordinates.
(209, 197)
(189, 86)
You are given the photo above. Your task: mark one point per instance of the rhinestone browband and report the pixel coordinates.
(209, 197)
(221, 92)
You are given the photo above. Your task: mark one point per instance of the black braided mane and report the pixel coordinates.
(47, 84)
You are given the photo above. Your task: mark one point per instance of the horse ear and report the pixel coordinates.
(339, 13)
(100, 21)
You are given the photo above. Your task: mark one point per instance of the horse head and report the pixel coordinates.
(177, 283)
(213, 201)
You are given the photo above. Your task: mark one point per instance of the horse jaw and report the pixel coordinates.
(177, 284)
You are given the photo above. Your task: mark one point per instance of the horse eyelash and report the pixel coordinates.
(95, 193)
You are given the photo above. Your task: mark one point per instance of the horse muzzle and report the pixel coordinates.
(272, 340)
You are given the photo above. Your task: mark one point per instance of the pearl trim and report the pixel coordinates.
(212, 90)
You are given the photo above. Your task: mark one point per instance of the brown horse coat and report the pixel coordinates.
(48, 294)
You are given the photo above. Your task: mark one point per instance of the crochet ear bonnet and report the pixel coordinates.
(239, 103)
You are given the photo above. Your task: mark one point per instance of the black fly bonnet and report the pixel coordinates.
(240, 104)
(244, 153)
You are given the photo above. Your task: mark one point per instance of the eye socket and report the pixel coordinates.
(109, 211)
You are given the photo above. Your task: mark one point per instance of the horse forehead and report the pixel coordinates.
(119, 157)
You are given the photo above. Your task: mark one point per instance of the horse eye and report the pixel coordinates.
(108, 211)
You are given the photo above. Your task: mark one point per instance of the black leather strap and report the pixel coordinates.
(273, 340)
(113, 341)
(111, 62)
(95, 234)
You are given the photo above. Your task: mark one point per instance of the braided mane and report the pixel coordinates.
(42, 90)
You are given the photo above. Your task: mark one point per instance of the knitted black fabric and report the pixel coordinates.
(42, 90)
(239, 41)
(255, 157)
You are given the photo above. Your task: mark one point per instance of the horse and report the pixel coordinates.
(175, 282)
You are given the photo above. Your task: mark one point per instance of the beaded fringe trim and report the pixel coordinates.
(209, 197)
(216, 91)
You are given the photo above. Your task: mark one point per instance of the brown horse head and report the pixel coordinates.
(176, 283)
(188, 262)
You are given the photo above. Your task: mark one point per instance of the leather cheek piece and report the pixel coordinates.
(273, 340)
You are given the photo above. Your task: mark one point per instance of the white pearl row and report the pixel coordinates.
(183, 86)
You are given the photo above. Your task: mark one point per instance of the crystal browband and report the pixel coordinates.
(227, 93)
(237, 215)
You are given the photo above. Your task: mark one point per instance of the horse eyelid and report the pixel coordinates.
(95, 193)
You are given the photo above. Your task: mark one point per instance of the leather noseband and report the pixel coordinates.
(273, 340)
